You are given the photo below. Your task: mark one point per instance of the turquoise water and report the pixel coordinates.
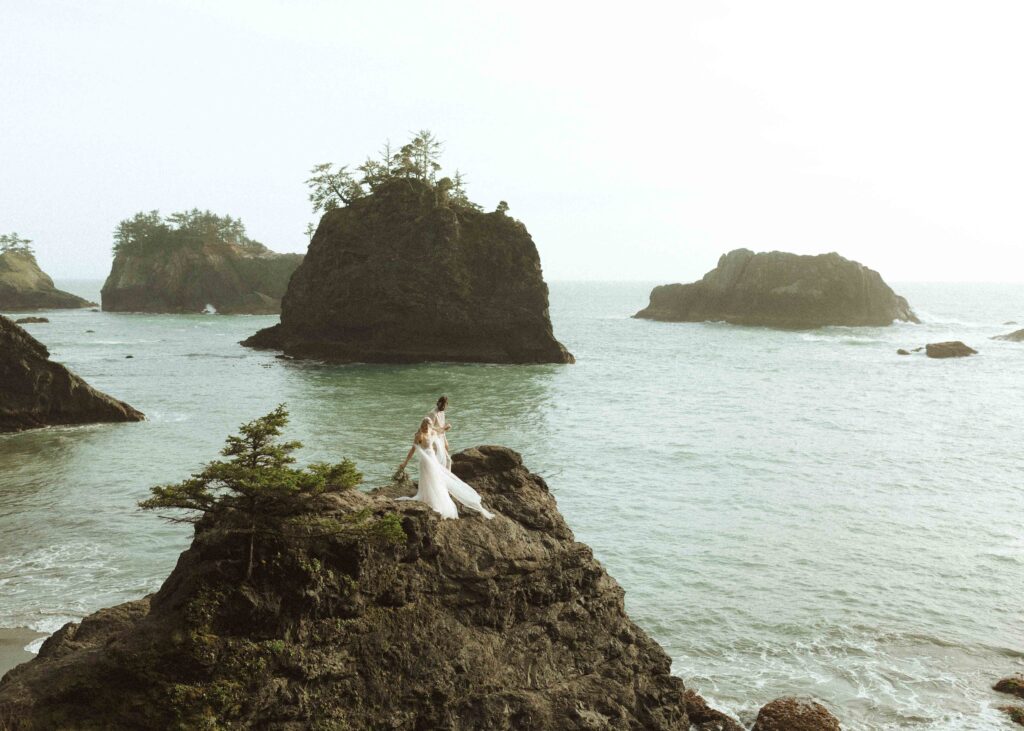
(788, 512)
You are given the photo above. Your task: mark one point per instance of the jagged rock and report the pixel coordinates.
(705, 718)
(400, 277)
(795, 714)
(24, 286)
(465, 625)
(777, 289)
(30, 320)
(1014, 685)
(949, 349)
(35, 391)
(234, 279)
(1015, 337)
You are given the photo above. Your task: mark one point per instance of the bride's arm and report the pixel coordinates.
(412, 451)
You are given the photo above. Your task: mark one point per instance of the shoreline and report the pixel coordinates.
(12, 646)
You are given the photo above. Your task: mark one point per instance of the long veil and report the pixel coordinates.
(436, 475)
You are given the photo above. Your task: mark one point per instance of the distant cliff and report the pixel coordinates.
(190, 260)
(35, 391)
(778, 289)
(24, 286)
(402, 276)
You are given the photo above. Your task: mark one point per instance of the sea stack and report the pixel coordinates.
(782, 290)
(462, 625)
(36, 392)
(24, 286)
(188, 261)
(409, 273)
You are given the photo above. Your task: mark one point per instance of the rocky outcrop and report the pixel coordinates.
(232, 278)
(777, 289)
(31, 321)
(35, 391)
(400, 276)
(795, 714)
(468, 624)
(949, 349)
(24, 286)
(1016, 336)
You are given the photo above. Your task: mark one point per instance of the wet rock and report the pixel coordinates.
(902, 351)
(463, 625)
(36, 392)
(778, 289)
(24, 286)
(795, 714)
(1013, 685)
(705, 718)
(1015, 337)
(949, 349)
(404, 276)
(1016, 713)
(30, 320)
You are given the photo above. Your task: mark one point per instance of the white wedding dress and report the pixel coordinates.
(438, 486)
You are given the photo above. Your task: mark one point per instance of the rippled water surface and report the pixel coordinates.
(788, 512)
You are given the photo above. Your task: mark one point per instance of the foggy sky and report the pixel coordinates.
(635, 140)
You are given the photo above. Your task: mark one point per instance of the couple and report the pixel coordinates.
(437, 483)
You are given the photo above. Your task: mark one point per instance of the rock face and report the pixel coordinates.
(397, 277)
(1015, 337)
(949, 349)
(781, 290)
(795, 714)
(24, 286)
(35, 391)
(233, 279)
(467, 625)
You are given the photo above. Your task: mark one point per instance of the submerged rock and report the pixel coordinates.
(1015, 337)
(234, 278)
(30, 320)
(24, 286)
(404, 276)
(949, 349)
(463, 625)
(1016, 713)
(902, 351)
(35, 391)
(795, 714)
(777, 289)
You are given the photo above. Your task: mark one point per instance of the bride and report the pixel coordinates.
(437, 483)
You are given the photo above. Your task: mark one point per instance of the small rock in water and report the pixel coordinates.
(1014, 685)
(1016, 713)
(902, 351)
(1010, 322)
(29, 320)
(94, 309)
(918, 350)
(949, 349)
(129, 356)
(795, 714)
(90, 331)
(1014, 337)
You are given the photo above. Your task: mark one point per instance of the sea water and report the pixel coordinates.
(788, 512)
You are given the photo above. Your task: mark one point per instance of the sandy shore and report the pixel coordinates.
(12, 646)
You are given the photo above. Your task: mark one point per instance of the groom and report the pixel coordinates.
(439, 429)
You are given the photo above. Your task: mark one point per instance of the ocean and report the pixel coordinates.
(788, 512)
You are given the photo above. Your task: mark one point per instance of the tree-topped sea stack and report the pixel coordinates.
(403, 268)
(24, 286)
(192, 259)
(36, 392)
(777, 289)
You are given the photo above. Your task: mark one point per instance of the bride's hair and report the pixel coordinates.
(442, 402)
(424, 426)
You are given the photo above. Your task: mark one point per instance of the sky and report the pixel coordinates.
(635, 140)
